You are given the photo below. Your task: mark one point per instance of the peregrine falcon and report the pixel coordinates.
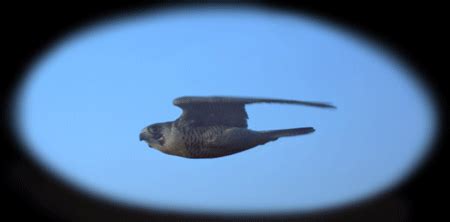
(215, 126)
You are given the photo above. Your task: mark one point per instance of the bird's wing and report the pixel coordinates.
(225, 111)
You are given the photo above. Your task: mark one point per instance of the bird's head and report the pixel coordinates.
(155, 135)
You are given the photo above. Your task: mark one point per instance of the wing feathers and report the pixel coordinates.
(182, 101)
(225, 111)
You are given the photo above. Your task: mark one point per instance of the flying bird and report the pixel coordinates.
(215, 126)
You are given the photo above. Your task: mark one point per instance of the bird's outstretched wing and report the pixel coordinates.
(225, 111)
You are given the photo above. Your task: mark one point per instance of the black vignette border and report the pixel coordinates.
(413, 31)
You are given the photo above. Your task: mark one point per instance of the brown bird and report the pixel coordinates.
(215, 126)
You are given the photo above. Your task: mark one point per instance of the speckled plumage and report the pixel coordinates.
(212, 127)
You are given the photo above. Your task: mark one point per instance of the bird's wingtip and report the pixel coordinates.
(331, 106)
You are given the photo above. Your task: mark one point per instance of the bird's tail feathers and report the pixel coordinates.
(275, 134)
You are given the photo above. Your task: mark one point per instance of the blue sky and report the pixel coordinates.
(87, 98)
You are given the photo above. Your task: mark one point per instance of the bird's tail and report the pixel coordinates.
(275, 134)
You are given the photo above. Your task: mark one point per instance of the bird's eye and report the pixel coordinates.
(161, 140)
(156, 135)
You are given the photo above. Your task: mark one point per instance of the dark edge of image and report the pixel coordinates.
(413, 32)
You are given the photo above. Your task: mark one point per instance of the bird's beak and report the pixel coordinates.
(142, 136)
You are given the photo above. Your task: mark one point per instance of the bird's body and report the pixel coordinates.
(210, 141)
(214, 127)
